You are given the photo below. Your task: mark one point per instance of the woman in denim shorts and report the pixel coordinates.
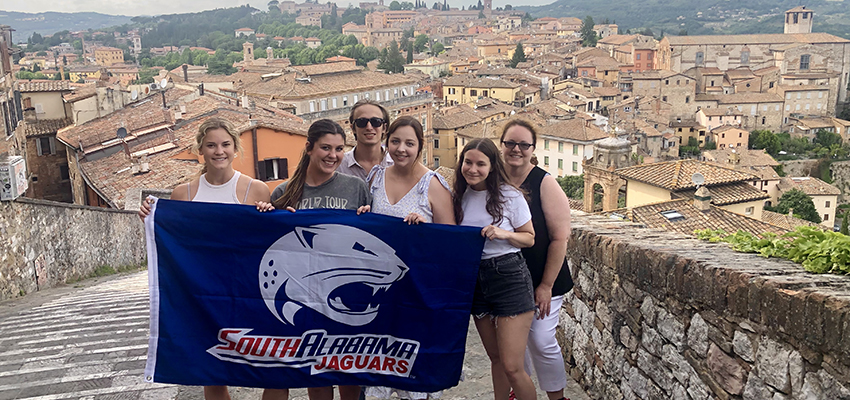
(483, 196)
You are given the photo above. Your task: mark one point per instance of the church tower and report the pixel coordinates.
(798, 20)
(248, 52)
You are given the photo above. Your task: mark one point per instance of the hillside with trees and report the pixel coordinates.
(710, 17)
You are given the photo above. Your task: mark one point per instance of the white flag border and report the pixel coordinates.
(153, 287)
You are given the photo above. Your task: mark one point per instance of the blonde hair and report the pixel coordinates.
(216, 123)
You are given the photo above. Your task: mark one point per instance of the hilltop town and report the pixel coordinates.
(620, 114)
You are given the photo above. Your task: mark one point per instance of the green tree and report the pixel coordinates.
(216, 67)
(410, 55)
(437, 48)
(802, 204)
(826, 138)
(765, 139)
(588, 35)
(420, 43)
(395, 6)
(392, 61)
(710, 146)
(508, 7)
(146, 75)
(844, 224)
(573, 186)
(519, 55)
(481, 15)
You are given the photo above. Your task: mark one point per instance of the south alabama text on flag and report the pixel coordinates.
(306, 299)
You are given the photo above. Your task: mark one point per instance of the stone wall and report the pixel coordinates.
(799, 167)
(47, 243)
(655, 315)
(841, 179)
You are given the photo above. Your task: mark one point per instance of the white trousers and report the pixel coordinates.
(543, 352)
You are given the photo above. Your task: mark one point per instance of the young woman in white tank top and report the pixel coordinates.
(218, 142)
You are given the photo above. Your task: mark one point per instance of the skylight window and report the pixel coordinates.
(672, 215)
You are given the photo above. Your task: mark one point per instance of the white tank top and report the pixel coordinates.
(224, 193)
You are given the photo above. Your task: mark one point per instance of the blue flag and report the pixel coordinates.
(306, 299)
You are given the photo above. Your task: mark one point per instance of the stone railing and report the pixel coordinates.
(656, 315)
(45, 243)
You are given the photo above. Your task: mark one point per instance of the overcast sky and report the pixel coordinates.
(151, 7)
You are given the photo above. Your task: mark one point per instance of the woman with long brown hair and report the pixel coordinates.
(315, 183)
(503, 302)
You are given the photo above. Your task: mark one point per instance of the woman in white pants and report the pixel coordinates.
(550, 215)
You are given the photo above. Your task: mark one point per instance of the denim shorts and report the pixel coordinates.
(504, 287)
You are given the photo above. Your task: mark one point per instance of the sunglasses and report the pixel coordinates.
(512, 144)
(375, 121)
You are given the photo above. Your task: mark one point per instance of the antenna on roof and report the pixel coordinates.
(698, 179)
(163, 83)
(134, 95)
(122, 132)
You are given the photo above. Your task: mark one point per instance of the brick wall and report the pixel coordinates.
(46, 243)
(655, 315)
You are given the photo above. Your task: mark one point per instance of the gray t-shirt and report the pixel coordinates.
(341, 192)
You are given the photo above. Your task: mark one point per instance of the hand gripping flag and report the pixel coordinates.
(306, 299)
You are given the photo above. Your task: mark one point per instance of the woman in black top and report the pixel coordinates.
(550, 275)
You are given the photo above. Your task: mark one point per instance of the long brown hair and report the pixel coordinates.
(215, 123)
(411, 122)
(495, 179)
(295, 187)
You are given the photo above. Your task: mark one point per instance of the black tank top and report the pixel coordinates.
(535, 256)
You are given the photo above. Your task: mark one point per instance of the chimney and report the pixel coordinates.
(702, 199)
(201, 89)
(186, 73)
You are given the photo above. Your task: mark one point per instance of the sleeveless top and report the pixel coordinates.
(416, 200)
(535, 256)
(224, 193)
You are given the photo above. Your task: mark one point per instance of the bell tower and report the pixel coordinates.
(799, 20)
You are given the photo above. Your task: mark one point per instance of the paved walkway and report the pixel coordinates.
(89, 341)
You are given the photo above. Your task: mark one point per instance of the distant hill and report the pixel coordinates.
(48, 23)
(705, 17)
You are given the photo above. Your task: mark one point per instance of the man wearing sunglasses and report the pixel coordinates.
(369, 121)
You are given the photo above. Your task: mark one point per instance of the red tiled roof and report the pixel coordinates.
(676, 175)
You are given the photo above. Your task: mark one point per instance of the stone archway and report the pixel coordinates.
(609, 182)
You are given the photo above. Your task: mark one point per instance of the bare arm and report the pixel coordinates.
(258, 191)
(521, 237)
(181, 192)
(441, 203)
(556, 210)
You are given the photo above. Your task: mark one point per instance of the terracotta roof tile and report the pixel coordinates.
(574, 129)
(786, 221)
(111, 174)
(676, 175)
(809, 185)
(754, 39)
(745, 157)
(734, 193)
(45, 126)
(693, 219)
(43, 86)
(136, 118)
(286, 86)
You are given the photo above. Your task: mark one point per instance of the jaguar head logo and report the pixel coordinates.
(339, 271)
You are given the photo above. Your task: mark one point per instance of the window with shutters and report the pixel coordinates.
(272, 169)
(45, 146)
(804, 61)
